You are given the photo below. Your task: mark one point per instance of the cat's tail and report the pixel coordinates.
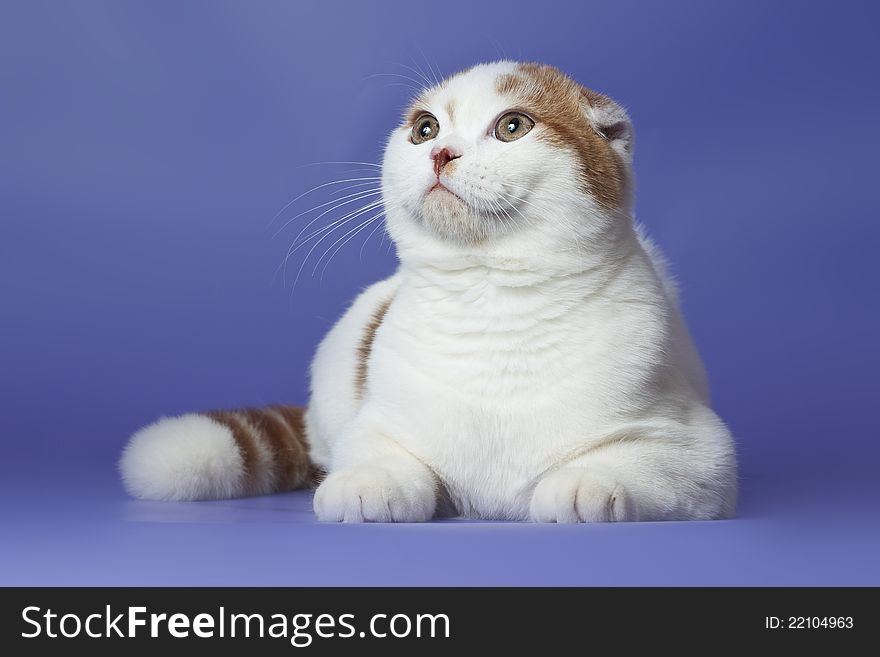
(219, 455)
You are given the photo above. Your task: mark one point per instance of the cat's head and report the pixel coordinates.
(507, 153)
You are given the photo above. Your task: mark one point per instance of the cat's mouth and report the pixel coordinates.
(443, 189)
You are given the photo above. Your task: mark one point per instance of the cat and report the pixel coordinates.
(527, 361)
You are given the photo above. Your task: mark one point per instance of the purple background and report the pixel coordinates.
(146, 146)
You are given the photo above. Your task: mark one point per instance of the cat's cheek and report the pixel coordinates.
(408, 192)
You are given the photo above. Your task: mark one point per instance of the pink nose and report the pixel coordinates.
(442, 157)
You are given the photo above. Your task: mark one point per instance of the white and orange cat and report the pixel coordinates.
(528, 360)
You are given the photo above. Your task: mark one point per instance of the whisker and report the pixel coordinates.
(372, 232)
(319, 164)
(430, 68)
(517, 198)
(501, 209)
(336, 203)
(354, 214)
(516, 208)
(353, 233)
(418, 72)
(498, 48)
(312, 250)
(507, 198)
(416, 85)
(316, 188)
(368, 205)
(377, 220)
(415, 91)
(335, 193)
(294, 247)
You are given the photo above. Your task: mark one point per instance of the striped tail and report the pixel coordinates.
(219, 455)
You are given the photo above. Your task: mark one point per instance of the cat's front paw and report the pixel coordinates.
(580, 495)
(373, 494)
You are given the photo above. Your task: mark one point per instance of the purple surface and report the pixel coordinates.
(788, 533)
(145, 148)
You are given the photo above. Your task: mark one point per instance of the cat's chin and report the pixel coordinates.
(447, 215)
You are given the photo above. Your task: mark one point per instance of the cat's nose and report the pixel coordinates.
(442, 157)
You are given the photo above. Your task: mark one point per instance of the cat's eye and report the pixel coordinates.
(512, 126)
(424, 129)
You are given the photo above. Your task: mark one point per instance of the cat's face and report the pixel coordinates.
(504, 152)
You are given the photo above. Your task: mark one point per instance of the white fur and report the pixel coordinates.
(334, 401)
(190, 457)
(541, 373)
(533, 363)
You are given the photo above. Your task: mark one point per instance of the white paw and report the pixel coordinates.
(373, 494)
(580, 495)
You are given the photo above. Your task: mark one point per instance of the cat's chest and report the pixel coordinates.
(487, 424)
(485, 360)
(490, 403)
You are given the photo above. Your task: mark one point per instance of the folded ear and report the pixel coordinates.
(611, 122)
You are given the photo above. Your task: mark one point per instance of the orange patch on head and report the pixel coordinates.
(450, 110)
(560, 104)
